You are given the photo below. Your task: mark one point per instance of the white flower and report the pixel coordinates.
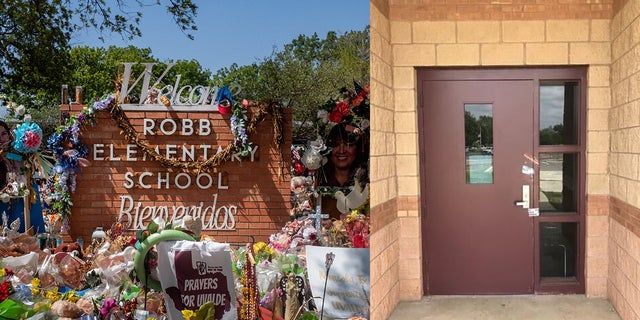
(27, 118)
(20, 110)
(364, 124)
(4, 197)
(318, 145)
(323, 115)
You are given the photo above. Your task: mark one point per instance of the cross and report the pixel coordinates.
(318, 216)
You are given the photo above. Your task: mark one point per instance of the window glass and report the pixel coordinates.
(559, 101)
(558, 249)
(558, 182)
(478, 142)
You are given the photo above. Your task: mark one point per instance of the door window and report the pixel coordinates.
(478, 143)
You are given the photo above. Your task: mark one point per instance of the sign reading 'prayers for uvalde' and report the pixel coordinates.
(134, 214)
(194, 273)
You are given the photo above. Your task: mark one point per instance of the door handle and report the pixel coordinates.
(525, 197)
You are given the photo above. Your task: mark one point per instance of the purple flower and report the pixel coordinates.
(104, 103)
(107, 306)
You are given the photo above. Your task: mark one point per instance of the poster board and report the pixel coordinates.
(347, 286)
(193, 273)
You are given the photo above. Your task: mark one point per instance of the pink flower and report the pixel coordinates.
(31, 139)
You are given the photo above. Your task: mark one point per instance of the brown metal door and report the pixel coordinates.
(478, 241)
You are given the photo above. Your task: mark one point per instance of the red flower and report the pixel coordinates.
(5, 290)
(359, 241)
(342, 107)
(299, 169)
(335, 116)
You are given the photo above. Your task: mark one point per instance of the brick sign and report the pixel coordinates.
(246, 196)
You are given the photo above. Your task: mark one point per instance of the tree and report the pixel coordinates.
(306, 73)
(96, 69)
(34, 39)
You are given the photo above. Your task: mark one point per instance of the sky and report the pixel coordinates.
(236, 31)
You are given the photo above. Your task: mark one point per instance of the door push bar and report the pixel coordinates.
(525, 197)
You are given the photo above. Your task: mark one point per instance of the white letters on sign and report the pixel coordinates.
(186, 95)
(133, 215)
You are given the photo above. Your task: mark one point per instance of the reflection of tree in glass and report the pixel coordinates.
(552, 135)
(478, 130)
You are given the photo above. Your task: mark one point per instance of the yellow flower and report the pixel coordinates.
(2, 272)
(262, 247)
(71, 297)
(52, 295)
(259, 246)
(35, 286)
(188, 314)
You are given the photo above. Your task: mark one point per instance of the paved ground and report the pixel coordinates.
(526, 307)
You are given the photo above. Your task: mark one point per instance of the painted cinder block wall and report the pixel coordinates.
(385, 222)
(603, 35)
(256, 188)
(624, 121)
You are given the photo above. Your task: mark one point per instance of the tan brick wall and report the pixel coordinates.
(624, 242)
(460, 10)
(624, 263)
(597, 242)
(498, 43)
(385, 225)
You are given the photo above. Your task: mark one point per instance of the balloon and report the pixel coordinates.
(146, 245)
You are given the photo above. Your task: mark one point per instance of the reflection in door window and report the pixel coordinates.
(559, 106)
(478, 143)
(558, 182)
(558, 249)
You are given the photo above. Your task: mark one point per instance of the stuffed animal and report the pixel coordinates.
(69, 247)
(354, 200)
(66, 309)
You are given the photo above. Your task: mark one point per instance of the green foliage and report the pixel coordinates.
(304, 75)
(34, 36)
(96, 69)
(34, 40)
(552, 135)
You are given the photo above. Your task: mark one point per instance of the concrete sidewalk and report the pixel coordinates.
(524, 307)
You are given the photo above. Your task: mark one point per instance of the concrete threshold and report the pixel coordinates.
(516, 307)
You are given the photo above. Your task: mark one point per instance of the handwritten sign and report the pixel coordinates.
(347, 283)
(193, 273)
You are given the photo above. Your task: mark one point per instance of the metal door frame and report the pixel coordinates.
(536, 74)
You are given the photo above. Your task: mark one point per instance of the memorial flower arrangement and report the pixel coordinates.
(351, 107)
(239, 128)
(101, 280)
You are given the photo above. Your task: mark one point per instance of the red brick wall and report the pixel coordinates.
(415, 10)
(617, 5)
(262, 199)
(626, 215)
